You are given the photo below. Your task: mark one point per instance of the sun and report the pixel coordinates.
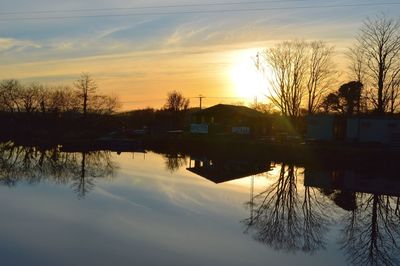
(247, 81)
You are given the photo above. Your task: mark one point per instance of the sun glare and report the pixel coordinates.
(247, 81)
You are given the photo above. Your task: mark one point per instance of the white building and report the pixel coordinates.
(363, 129)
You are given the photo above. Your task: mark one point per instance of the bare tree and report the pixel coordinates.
(86, 86)
(394, 95)
(320, 74)
(287, 62)
(176, 102)
(357, 67)
(10, 91)
(104, 104)
(15, 97)
(30, 98)
(297, 69)
(378, 48)
(266, 108)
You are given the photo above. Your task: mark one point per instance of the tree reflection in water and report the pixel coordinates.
(32, 165)
(371, 234)
(286, 218)
(174, 161)
(93, 165)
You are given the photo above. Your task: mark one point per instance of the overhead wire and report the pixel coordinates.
(181, 12)
(193, 97)
(238, 10)
(148, 7)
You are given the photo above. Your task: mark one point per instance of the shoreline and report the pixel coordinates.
(220, 147)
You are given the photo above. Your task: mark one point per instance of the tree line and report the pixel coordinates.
(33, 165)
(303, 77)
(82, 97)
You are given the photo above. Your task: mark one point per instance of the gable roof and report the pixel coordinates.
(227, 109)
(227, 170)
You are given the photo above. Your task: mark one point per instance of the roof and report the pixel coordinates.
(223, 171)
(357, 116)
(227, 109)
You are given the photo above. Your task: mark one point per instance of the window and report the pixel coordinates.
(365, 125)
(312, 122)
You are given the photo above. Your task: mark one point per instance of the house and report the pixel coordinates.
(225, 119)
(326, 127)
(384, 130)
(360, 129)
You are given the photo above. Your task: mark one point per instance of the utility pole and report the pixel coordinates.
(251, 199)
(200, 99)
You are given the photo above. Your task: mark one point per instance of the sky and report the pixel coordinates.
(141, 50)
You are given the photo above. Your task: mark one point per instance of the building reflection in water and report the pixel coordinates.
(293, 212)
(371, 232)
(293, 216)
(33, 165)
(222, 170)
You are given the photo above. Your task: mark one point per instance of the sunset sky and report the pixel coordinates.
(140, 50)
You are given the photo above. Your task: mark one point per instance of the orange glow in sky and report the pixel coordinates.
(140, 58)
(247, 81)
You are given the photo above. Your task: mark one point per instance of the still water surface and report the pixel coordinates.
(104, 208)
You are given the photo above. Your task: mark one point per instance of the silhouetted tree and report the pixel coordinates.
(288, 63)
(176, 102)
(378, 49)
(351, 94)
(10, 91)
(332, 103)
(345, 100)
(266, 108)
(85, 87)
(104, 104)
(62, 99)
(298, 69)
(320, 74)
(357, 66)
(31, 97)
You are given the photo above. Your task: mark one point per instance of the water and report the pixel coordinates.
(104, 208)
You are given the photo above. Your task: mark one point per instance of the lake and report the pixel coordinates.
(104, 208)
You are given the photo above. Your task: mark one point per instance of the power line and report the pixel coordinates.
(222, 97)
(142, 101)
(194, 97)
(241, 10)
(145, 7)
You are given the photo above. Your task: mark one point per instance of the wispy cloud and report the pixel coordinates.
(10, 44)
(140, 56)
